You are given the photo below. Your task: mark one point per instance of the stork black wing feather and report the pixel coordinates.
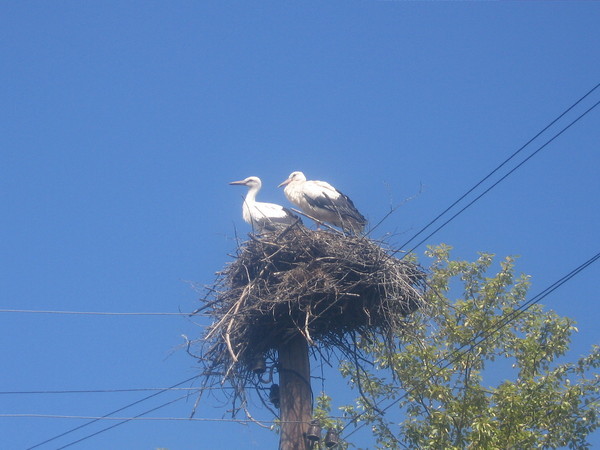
(342, 205)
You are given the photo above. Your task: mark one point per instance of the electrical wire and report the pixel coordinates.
(113, 412)
(435, 219)
(150, 419)
(97, 313)
(122, 422)
(499, 181)
(456, 354)
(107, 391)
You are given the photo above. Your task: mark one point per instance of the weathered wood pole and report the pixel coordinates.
(295, 394)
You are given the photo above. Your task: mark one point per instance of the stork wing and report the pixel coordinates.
(271, 213)
(271, 210)
(320, 194)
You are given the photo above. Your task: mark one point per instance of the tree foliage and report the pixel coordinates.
(444, 382)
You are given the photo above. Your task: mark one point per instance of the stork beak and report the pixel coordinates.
(285, 182)
(242, 182)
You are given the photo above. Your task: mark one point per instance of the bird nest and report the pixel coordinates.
(328, 287)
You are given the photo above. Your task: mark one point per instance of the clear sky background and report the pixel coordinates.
(121, 124)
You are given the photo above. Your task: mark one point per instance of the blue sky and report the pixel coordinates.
(122, 123)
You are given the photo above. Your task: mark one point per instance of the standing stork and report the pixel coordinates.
(323, 202)
(263, 216)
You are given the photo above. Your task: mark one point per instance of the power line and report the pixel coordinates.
(501, 179)
(105, 391)
(97, 313)
(456, 354)
(139, 418)
(114, 412)
(122, 422)
(502, 164)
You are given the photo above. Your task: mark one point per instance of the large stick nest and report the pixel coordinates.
(326, 286)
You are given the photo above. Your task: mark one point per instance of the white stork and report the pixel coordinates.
(322, 201)
(263, 216)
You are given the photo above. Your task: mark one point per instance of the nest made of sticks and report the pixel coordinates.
(326, 286)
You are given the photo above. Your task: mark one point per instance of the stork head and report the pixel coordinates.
(294, 176)
(251, 182)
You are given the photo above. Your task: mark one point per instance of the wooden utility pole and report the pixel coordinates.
(295, 394)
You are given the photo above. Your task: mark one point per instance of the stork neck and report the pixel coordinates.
(251, 195)
(291, 187)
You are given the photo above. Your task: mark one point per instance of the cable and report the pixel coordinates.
(435, 219)
(496, 183)
(114, 412)
(122, 422)
(104, 391)
(96, 313)
(157, 419)
(484, 336)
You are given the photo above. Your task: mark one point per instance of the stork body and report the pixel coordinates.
(322, 201)
(263, 216)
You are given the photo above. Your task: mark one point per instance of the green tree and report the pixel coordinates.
(444, 379)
